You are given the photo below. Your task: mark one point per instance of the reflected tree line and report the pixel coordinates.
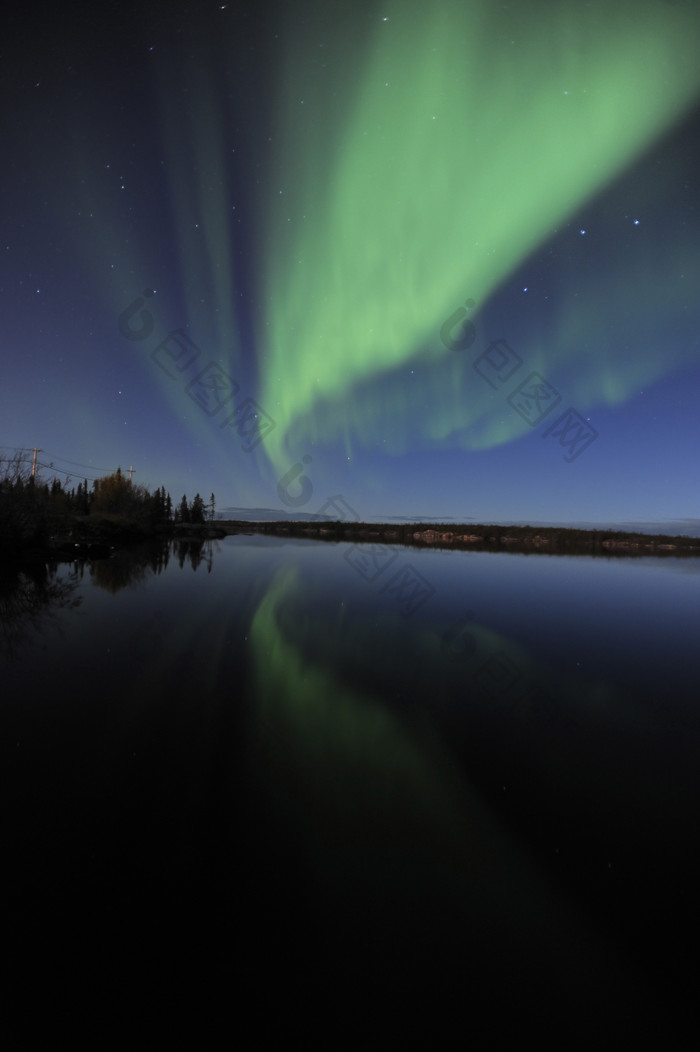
(33, 593)
(31, 597)
(131, 567)
(44, 525)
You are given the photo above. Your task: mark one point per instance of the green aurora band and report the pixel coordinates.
(420, 168)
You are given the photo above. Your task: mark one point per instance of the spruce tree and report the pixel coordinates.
(197, 509)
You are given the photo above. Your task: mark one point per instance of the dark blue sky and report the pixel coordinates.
(212, 155)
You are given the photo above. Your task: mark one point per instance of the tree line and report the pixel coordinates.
(31, 510)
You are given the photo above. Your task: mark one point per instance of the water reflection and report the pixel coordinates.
(382, 811)
(483, 794)
(30, 598)
(131, 567)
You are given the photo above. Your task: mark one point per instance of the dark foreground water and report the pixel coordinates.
(362, 797)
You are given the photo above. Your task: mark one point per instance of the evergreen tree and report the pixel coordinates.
(197, 509)
(212, 508)
(113, 493)
(158, 505)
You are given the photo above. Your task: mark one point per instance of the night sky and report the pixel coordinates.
(437, 260)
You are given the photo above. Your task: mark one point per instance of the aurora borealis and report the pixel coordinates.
(309, 193)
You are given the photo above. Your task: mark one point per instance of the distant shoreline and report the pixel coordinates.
(100, 539)
(482, 537)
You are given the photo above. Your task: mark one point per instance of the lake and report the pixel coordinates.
(352, 793)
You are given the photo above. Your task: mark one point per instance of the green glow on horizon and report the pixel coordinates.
(424, 173)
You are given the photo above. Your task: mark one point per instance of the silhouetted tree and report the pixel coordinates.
(183, 512)
(35, 512)
(112, 494)
(197, 509)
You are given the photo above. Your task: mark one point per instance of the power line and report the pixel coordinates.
(92, 467)
(55, 456)
(29, 457)
(68, 474)
(59, 471)
(75, 463)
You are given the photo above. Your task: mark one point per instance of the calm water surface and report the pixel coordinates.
(354, 793)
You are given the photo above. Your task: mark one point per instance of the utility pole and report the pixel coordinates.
(131, 472)
(35, 451)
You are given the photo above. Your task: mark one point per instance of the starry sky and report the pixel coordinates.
(365, 259)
